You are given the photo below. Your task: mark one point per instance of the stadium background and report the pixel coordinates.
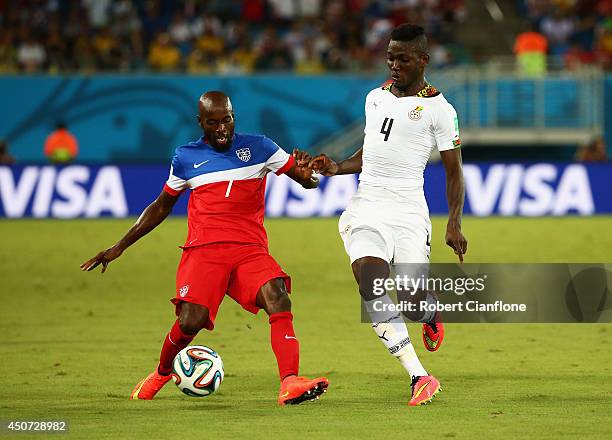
(124, 77)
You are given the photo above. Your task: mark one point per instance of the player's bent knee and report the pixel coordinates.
(273, 297)
(192, 318)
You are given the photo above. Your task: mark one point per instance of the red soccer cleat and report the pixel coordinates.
(424, 388)
(433, 333)
(148, 387)
(295, 389)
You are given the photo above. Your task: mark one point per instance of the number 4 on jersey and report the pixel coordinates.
(386, 127)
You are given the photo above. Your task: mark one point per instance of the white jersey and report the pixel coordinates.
(388, 217)
(400, 134)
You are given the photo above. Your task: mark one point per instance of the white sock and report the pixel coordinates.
(393, 333)
(410, 361)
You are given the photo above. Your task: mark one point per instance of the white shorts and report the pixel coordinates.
(395, 232)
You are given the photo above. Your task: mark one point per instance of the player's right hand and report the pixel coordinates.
(456, 240)
(102, 258)
(322, 164)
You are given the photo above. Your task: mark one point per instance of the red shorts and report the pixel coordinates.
(207, 273)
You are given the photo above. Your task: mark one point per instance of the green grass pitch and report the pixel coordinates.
(74, 344)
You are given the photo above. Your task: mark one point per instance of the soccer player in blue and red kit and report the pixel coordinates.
(226, 251)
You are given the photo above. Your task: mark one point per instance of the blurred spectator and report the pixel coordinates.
(61, 146)
(106, 48)
(180, 32)
(285, 11)
(294, 41)
(241, 60)
(557, 28)
(576, 57)
(586, 20)
(126, 26)
(163, 55)
(359, 59)
(271, 52)
(153, 21)
(377, 34)
(224, 9)
(236, 32)
(98, 11)
(603, 45)
(595, 151)
(309, 63)
(56, 48)
(84, 57)
(536, 11)
(439, 55)
(5, 157)
(289, 11)
(530, 48)
(210, 45)
(199, 62)
(8, 54)
(204, 23)
(255, 11)
(31, 55)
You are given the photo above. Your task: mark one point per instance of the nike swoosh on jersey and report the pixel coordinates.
(290, 337)
(198, 165)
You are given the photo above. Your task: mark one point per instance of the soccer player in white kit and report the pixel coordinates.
(386, 224)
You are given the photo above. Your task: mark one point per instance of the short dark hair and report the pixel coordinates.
(412, 34)
(407, 32)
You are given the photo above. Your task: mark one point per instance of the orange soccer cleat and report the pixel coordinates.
(433, 333)
(296, 389)
(424, 388)
(148, 387)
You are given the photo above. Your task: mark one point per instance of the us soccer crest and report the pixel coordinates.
(415, 114)
(184, 290)
(244, 154)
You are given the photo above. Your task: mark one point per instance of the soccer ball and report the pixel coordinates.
(197, 370)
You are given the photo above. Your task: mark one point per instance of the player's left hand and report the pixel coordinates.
(456, 240)
(102, 258)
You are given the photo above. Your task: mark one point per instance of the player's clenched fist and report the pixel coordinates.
(102, 258)
(322, 164)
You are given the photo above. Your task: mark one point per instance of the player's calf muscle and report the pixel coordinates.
(273, 297)
(192, 318)
(366, 270)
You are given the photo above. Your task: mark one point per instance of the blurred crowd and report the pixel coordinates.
(215, 36)
(578, 32)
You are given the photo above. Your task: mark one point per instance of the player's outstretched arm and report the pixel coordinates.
(300, 172)
(152, 216)
(454, 195)
(324, 165)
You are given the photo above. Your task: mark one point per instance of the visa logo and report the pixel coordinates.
(528, 190)
(72, 191)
